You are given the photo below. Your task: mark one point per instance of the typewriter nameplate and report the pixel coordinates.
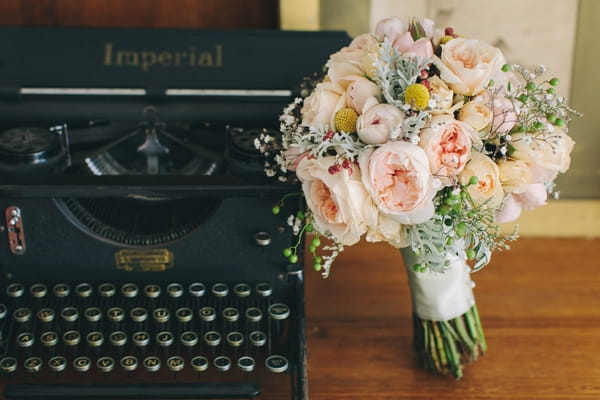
(144, 260)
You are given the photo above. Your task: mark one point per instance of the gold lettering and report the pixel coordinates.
(205, 59)
(127, 58)
(219, 51)
(151, 361)
(108, 47)
(148, 59)
(165, 59)
(192, 54)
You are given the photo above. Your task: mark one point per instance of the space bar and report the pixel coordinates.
(203, 390)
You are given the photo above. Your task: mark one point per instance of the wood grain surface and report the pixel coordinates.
(539, 304)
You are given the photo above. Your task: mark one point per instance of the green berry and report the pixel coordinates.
(293, 258)
(287, 252)
(473, 180)
(521, 129)
(444, 210)
(300, 214)
(417, 267)
(461, 229)
(318, 260)
(550, 91)
(530, 86)
(275, 210)
(559, 122)
(522, 98)
(317, 267)
(471, 254)
(449, 241)
(554, 81)
(316, 241)
(538, 125)
(506, 68)
(551, 118)
(312, 248)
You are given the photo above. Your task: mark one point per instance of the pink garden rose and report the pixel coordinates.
(533, 196)
(377, 122)
(398, 177)
(359, 91)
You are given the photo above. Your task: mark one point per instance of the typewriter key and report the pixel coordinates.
(222, 363)
(46, 315)
(92, 314)
(8, 364)
(199, 363)
(15, 290)
(57, 363)
(22, 314)
(175, 363)
(3, 310)
(231, 314)
(49, 339)
(115, 314)
(175, 290)
(197, 289)
(184, 314)
(189, 338)
(69, 314)
(212, 338)
(95, 339)
(264, 289)
(129, 363)
(82, 364)
(279, 311)
(61, 290)
(246, 363)
(118, 338)
(138, 314)
(253, 314)
(105, 364)
(276, 363)
(71, 338)
(33, 364)
(152, 363)
(129, 290)
(83, 290)
(152, 291)
(220, 289)
(262, 239)
(207, 314)
(25, 339)
(107, 290)
(161, 315)
(235, 339)
(242, 290)
(164, 339)
(38, 290)
(257, 338)
(141, 339)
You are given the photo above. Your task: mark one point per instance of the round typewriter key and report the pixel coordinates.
(95, 339)
(129, 363)
(175, 363)
(257, 338)
(71, 338)
(161, 315)
(105, 364)
(118, 338)
(262, 239)
(25, 339)
(82, 364)
(264, 289)
(138, 314)
(22, 314)
(15, 290)
(83, 290)
(3, 310)
(152, 291)
(276, 363)
(8, 364)
(115, 314)
(164, 339)
(141, 339)
(92, 314)
(235, 339)
(212, 338)
(189, 338)
(129, 290)
(69, 314)
(152, 363)
(46, 315)
(231, 314)
(33, 364)
(222, 363)
(184, 314)
(207, 314)
(242, 290)
(253, 314)
(175, 290)
(220, 289)
(246, 363)
(38, 290)
(279, 311)
(107, 290)
(199, 363)
(197, 289)
(57, 363)
(61, 290)
(49, 339)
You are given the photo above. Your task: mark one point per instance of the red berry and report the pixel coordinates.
(426, 84)
(346, 164)
(335, 168)
(328, 135)
(424, 74)
(449, 31)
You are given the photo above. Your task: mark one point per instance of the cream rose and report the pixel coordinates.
(488, 189)
(387, 230)
(477, 115)
(447, 143)
(359, 91)
(357, 58)
(376, 124)
(339, 202)
(320, 107)
(399, 180)
(441, 95)
(551, 152)
(515, 175)
(467, 65)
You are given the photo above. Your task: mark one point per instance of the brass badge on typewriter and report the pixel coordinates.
(144, 260)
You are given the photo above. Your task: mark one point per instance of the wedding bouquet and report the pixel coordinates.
(426, 140)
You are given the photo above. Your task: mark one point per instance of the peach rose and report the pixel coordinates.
(467, 65)
(376, 124)
(357, 57)
(515, 175)
(551, 152)
(488, 190)
(447, 143)
(359, 91)
(476, 114)
(339, 202)
(320, 107)
(441, 95)
(398, 177)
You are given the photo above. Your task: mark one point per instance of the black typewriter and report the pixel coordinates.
(139, 257)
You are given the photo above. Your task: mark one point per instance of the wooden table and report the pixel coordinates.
(540, 308)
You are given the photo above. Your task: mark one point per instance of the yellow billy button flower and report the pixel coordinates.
(417, 96)
(345, 120)
(445, 39)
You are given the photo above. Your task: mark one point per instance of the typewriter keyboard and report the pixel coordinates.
(148, 333)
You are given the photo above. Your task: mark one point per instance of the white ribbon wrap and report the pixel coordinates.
(440, 296)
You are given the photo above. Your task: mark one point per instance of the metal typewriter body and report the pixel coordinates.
(138, 254)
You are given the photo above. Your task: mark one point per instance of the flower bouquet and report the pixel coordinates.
(426, 140)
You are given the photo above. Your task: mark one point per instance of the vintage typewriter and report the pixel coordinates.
(139, 256)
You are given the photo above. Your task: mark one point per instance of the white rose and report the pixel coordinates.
(467, 65)
(440, 94)
(376, 124)
(488, 189)
(387, 230)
